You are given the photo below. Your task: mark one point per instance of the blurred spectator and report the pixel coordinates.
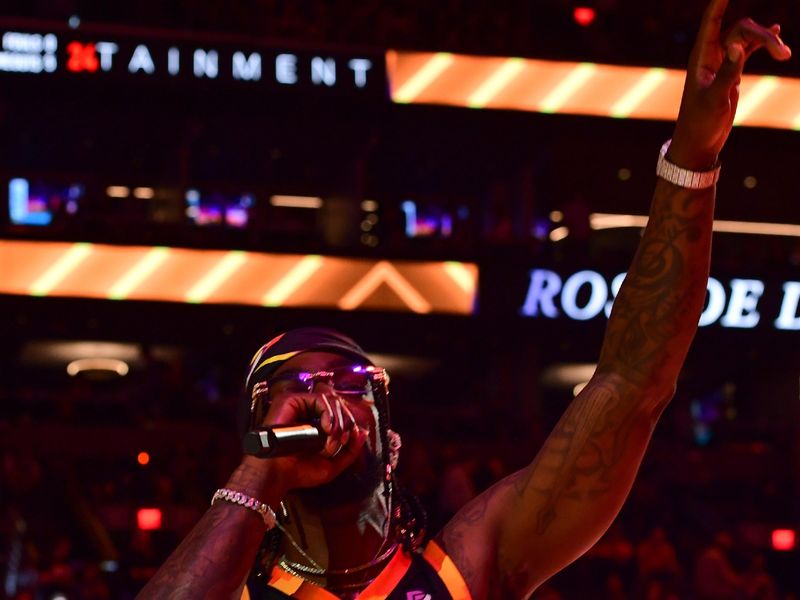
(91, 585)
(659, 572)
(760, 584)
(715, 576)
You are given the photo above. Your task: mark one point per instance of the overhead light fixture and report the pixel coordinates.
(369, 205)
(118, 191)
(58, 353)
(98, 367)
(579, 388)
(296, 201)
(568, 375)
(613, 221)
(144, 193)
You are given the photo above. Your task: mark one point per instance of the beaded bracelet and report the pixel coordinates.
(235, 497)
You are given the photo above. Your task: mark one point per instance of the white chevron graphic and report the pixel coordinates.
(384, 272)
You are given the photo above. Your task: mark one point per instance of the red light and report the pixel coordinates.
(82, 57)
(143, 458)
(783, 539)
(148, 519)
(584, 16)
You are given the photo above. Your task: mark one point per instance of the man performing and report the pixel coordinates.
(344, 530)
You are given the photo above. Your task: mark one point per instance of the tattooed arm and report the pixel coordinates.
(216, 557)
(545, 516)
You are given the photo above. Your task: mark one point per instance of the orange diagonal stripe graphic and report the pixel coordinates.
(384, 272)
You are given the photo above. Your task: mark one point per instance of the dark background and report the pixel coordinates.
(471, 394)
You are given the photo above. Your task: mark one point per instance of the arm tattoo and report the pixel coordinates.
(581, 476)
(651, 326)
(213, 561)
(656, 312)
(217, 555)
(581, 454)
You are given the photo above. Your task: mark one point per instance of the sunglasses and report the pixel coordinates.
(351, 380)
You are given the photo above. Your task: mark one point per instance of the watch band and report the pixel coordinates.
(695, 180)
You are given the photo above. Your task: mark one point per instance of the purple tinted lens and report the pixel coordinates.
(352, 380)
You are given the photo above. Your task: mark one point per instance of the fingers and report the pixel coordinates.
(349, 450)
(711, 24)
(747, 36)
(336, 419)
(744, 38)
(342, 424)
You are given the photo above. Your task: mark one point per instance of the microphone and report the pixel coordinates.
(284, 440)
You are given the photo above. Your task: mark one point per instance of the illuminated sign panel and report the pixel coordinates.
(74, 53)
(603, 90)
(738, 303)
(235, 277)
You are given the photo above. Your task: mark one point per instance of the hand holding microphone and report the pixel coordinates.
(329, 431)
(284, 440)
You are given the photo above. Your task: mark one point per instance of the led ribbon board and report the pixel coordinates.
(575, 88)
(89, 54)
(235, 277)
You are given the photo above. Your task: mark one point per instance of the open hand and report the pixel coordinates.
(711, 91)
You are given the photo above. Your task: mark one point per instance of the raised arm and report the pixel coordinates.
(542, 518)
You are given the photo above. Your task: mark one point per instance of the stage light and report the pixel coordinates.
(556, 216)
(584, 15)
(612, 221)
(143, 458)
(97, 365)
(296, 201)
(783, 539)
(559, 233)
(144, 193)
(369, 205)
(109, 566)
(118, 191)
(148, 519)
